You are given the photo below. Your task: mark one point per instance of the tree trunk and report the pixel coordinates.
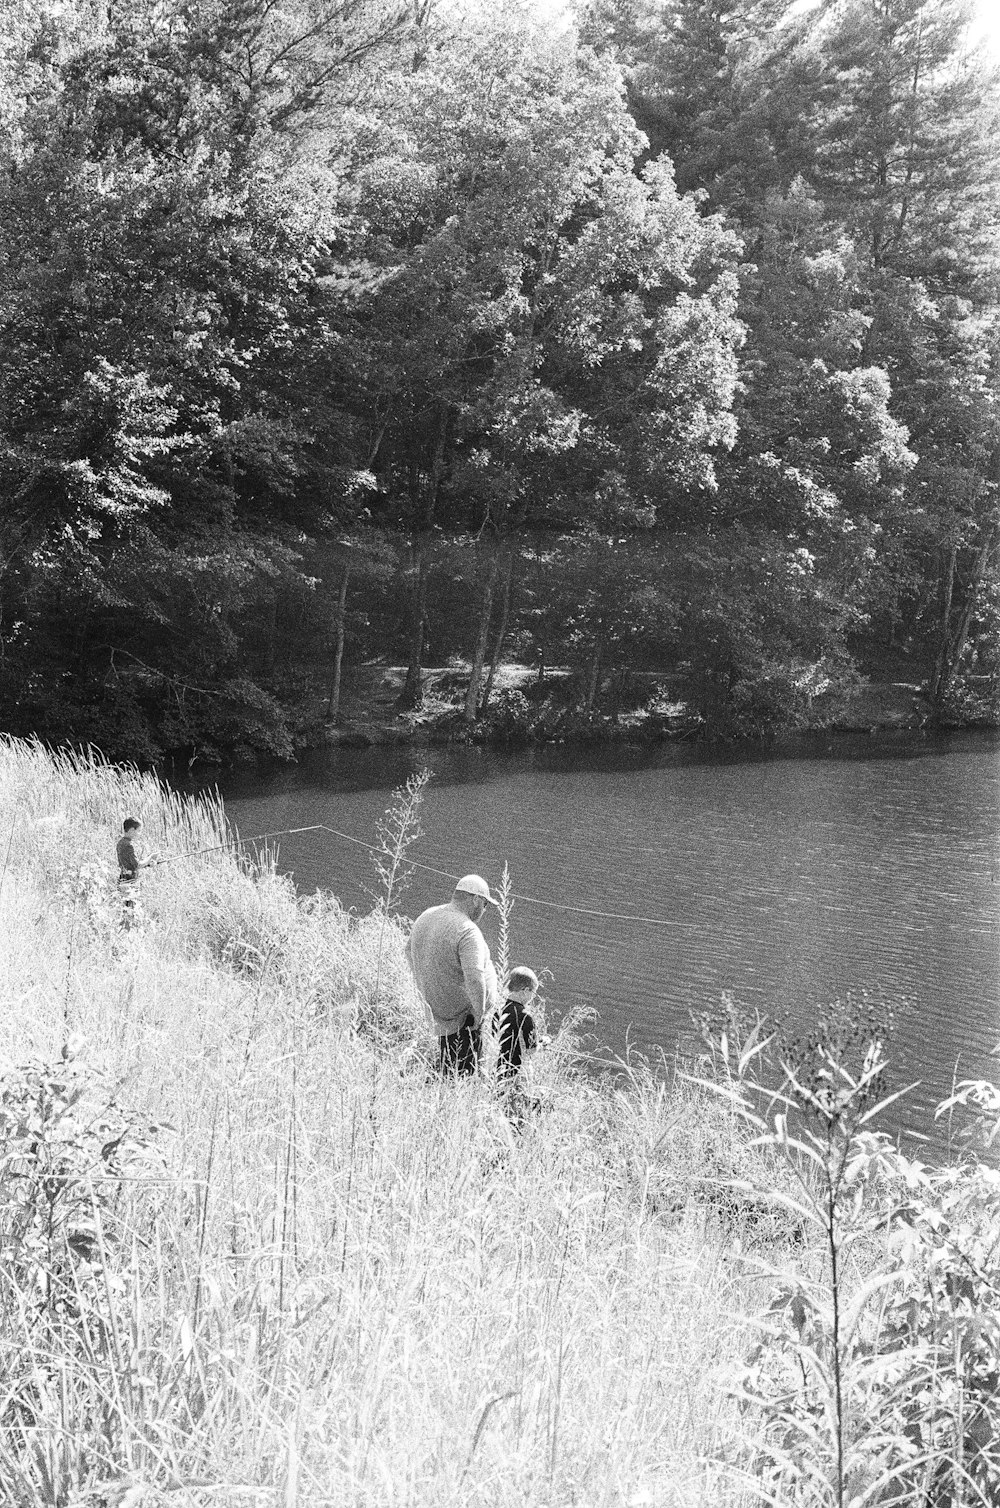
(595, 673)
(952, 646)
(940, 668)
(957, 647)
(501, 631)
(479, 654)
(412, 693)
(333, 709)
(619, 688)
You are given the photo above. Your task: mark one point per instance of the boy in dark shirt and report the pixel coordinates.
(128, 859)
(129, 864)
(516, 1033)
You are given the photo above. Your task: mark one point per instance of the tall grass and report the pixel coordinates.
(320, 1274)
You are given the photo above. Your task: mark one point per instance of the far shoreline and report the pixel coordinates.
(877, 706)
(371, 718)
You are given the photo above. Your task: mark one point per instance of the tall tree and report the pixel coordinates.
(853, 145)
(161, 237)
(554, 334)
(906, 158)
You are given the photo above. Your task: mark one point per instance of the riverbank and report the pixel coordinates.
(525, 709)
(257, 1253)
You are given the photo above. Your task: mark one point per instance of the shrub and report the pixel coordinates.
(875, 1375)
(67, 1145)
(510, 718)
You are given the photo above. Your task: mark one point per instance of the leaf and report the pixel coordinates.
(860, 1299)
(890, 1099)
(780, 1137)
(753, 1049)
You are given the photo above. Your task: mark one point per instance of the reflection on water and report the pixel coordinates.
(868, 865)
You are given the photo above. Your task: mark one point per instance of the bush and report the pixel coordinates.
(875, 1374)
(510, 718)
(972, 701)
(67, 1145)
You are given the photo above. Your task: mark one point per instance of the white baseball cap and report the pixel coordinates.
(474, 884)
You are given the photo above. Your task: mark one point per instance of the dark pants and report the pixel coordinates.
(460, 1052)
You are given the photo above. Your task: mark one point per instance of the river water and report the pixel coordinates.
(861, 865)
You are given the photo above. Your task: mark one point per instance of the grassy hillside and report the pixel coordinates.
(346, 1284)
(255, 1253)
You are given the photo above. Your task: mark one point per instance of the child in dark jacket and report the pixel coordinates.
(516, 1033)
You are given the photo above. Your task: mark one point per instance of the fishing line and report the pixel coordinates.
(447, 874)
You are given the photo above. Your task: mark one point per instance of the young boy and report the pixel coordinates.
(516, 1034)
(129, 865)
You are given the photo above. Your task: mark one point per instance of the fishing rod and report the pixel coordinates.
(531, 900)
(195, 853)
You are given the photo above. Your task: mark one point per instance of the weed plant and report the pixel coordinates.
(396, 831)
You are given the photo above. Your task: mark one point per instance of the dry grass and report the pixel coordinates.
(353, 1284)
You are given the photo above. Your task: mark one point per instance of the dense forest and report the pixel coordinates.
(656, 340)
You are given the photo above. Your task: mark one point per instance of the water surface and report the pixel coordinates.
(862, 865)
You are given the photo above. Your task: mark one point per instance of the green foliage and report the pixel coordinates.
(160, 226)
(706, 292)
(510, 717)
(875, 1373)
(851, 147)
(67, 1146)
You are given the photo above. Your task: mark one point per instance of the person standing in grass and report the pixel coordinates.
(516, 1032)
(454, 973)
(129, 863)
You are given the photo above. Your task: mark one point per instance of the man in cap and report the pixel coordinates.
(454, 974)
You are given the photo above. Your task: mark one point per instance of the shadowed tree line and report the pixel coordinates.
(661, 342)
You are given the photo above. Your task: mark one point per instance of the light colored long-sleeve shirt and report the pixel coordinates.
(452, 967)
